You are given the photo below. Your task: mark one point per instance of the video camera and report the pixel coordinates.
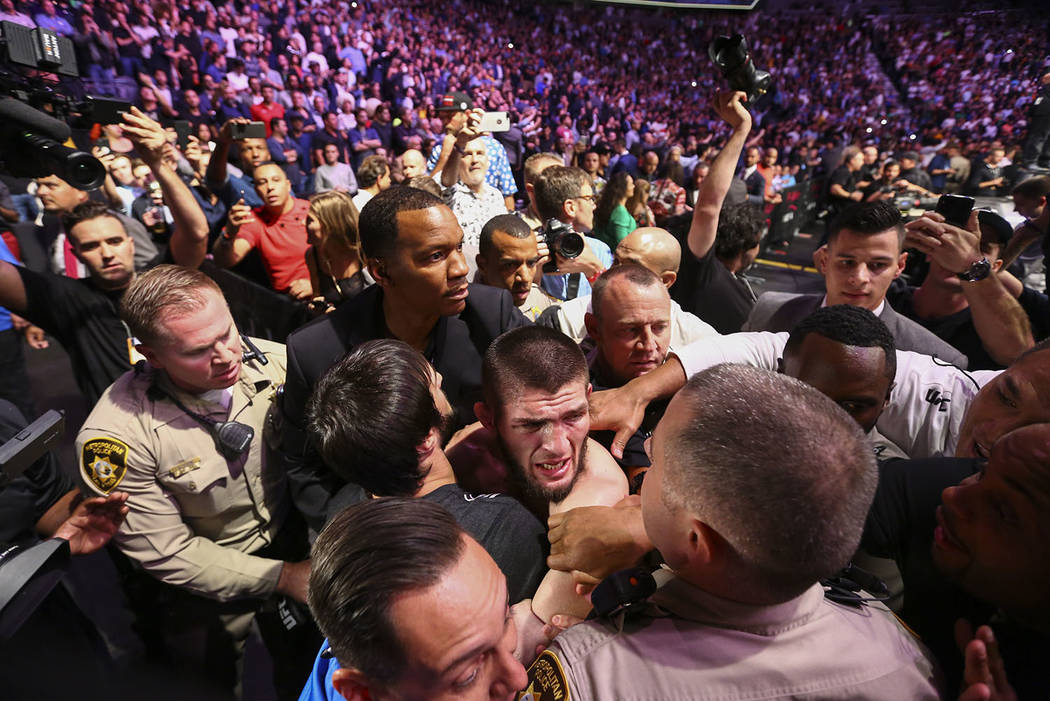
(35, 116)
(733, 59)
(562, 240)
(29, 444)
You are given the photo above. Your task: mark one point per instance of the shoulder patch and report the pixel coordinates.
(546, 680)
(104, 462)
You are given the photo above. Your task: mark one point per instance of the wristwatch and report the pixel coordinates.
(977, 271)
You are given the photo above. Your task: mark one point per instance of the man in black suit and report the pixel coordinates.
(413, 247)
(861, 258)
(753, 179)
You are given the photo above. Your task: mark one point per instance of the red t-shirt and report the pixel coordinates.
(281, 242)
(263, 113)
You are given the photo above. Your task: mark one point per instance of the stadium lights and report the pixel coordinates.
(510, 44)
(883, 122)
(693, 83)
(870, 130)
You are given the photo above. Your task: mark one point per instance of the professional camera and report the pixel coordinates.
(562, 240)
(733, 59)
(33, 128)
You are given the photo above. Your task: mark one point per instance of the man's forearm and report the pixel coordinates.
(716, 185)
(215, 175)
(661, 383)
(1001, 322)
(450, 172)
(189, 240)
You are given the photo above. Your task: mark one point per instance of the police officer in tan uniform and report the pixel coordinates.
(187, 435)
(746, 533)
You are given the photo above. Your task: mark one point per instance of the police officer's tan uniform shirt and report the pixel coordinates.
(692, 645)
(194, 516)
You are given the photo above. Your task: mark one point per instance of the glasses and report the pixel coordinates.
(590, 198)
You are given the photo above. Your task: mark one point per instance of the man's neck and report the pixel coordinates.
(439, 473)
(935, 301)
(374, 190)
(408, 325)
(289, 205)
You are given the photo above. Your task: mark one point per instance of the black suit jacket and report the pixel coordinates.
(455, 349)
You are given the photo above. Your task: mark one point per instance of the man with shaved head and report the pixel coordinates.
(413, 164)
(656, 250)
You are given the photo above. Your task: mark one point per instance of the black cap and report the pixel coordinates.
(455, 102)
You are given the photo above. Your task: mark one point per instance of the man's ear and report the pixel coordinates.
(706, 546)
(377, 268)
(902, 260)
(997, 265)
(481, 267)
(590, 322)
(568, 209)
(350, 684)
(668, 277)
(485, 415)
(820, 259)
(150, 355)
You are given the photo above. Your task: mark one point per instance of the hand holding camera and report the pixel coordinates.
(149, 137)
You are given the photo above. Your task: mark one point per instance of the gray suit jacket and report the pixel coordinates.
(780, 311)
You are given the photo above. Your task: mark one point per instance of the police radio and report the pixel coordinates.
(621, 591)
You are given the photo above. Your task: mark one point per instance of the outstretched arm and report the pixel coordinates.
(716, 184)
(189, 240)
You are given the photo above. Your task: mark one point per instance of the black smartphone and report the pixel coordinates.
(251, 130)
(955, 209)
(103, 110)
(182, 133)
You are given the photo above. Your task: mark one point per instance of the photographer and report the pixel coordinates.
(566, 194)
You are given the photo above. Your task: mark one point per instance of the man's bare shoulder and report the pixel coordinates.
(474, 455)
(603, 483)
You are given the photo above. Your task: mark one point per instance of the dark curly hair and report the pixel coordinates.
(850, 326)
(740, 229)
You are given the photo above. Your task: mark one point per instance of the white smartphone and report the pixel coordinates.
(494, 121)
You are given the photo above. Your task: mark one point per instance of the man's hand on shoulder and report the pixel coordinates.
(592, 542)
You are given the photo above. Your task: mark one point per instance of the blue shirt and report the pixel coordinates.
(319, 685)
(558, 285)
(498, 175)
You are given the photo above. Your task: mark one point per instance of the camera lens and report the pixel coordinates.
(84, 171)
(570, 245)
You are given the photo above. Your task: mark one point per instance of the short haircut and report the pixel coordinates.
(534, 162)
(367, 557)
(510, 224)
(338, 217)
(1033, 188)
(425, 183)
(369, 414)
(868, 218)
(371, 170)
(86, 211)
(530, 357)
(850, 326)
(268, 163)
(555, 185)
(163, 288)
(849, 152)
(740, 228)
(378, 221)
(777, 469)
(634, 273)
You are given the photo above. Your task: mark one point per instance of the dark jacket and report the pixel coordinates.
(455, 349)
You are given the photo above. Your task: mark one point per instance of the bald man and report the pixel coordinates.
(413, 164)
(652, 248)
